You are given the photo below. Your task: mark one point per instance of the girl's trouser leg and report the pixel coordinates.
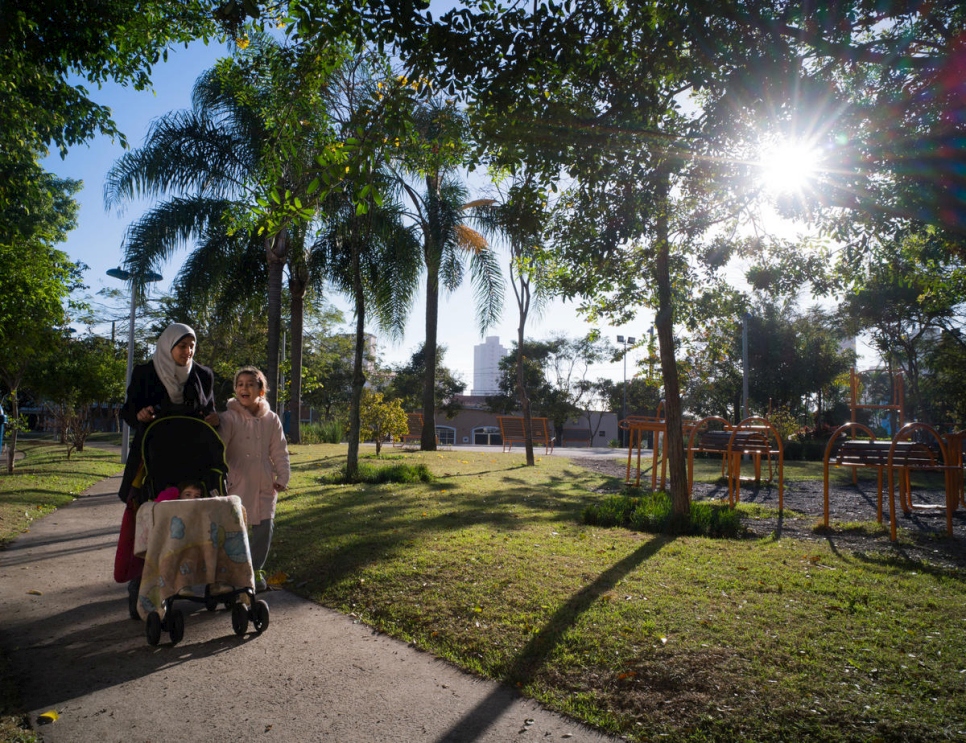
(261, 542)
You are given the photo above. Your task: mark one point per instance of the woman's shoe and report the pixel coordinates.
(133, 589)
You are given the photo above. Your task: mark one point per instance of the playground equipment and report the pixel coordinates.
(897, 458)
(896, 404)
(753, 437)
(638, 425)
(915, 447)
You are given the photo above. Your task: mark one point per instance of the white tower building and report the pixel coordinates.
(486, 366)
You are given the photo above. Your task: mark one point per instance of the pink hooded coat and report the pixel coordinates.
(257, 457)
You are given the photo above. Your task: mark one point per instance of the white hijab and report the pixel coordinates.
(172, 376)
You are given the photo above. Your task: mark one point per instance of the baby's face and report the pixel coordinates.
(191, 492)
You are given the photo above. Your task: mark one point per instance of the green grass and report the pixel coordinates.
(650, 636)
(374, 474)
(45, 480)
(42, 481)
(690, 639)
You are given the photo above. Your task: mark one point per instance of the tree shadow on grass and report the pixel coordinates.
(474, 724)
(328, 534)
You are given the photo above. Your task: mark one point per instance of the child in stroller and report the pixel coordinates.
(186, 490)
(194, 549)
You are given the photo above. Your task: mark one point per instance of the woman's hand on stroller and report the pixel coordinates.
(146, 415)
(212, 419)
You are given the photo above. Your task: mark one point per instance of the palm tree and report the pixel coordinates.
(439, 211)
(221, 162)
(521, 218)
(206, 160)
(363, 245)
(373, 257)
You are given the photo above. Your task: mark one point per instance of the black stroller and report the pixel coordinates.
(194, 550)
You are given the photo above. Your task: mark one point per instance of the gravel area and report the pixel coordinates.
(922, 539)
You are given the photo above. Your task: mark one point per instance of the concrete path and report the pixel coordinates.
(314, 675)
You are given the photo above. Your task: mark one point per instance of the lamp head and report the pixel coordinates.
(620, 339)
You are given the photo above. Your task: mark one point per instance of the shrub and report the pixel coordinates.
(614, 510)
(654, 513)
(327, 432)
(375, 474)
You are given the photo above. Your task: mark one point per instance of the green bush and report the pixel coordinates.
(327, 432)
(376, 474)
(654, 513)
(812, 451)
(614, 510)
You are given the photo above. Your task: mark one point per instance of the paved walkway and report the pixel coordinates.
(314, 675)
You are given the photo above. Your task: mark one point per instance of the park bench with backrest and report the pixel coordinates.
(414, 434)
(576, 437)
(511, 431)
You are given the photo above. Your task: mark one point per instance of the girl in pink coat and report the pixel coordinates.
(257, 456)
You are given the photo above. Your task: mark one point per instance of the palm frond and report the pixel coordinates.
(171, 225)
(488, 288)
(184, 153)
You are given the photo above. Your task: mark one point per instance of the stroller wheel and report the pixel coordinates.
(152, 629)
(260, 616)
(211, 603)
(175, 620)
(239, 619)
(133, 588)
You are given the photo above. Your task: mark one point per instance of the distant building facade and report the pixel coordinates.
(486, 367)
(475, 425)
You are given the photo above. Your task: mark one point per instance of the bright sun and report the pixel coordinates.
(788, 167)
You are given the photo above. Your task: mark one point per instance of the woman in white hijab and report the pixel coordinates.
(171, 383)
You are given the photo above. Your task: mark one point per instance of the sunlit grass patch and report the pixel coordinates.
(654, 512)
(44, 480)
(374, 474)
(855, 528)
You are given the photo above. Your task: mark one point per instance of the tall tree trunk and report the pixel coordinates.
(522, 292)
(14, 428)
(432, 254)
(358, 374)
(298, 280)
(427, 441)
(276, 249)
(664, 322)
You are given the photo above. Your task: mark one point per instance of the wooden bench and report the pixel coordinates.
(576, 437)
(414, 421)
(897, 456)
(511, 431)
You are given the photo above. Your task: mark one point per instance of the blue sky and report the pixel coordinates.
(98, 239)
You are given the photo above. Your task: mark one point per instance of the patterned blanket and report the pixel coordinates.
(188, 545)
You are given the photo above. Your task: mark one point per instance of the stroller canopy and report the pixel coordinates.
(181, 448)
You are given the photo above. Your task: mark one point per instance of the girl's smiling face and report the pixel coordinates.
(248, 391)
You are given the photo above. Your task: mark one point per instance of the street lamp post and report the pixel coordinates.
(120, 273)
(621, 339)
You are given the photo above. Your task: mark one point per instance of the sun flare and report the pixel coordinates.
(788, 167)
